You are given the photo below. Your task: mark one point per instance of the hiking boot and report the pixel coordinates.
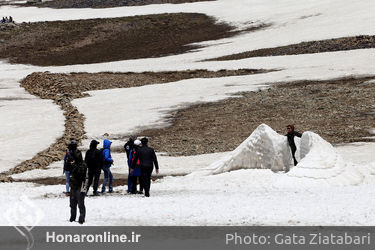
(139, 192)
(96, 194)
(110, 191)
(81, 221)
(67, 194)
(71, 219)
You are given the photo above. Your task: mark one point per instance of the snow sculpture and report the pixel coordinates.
(264, 148)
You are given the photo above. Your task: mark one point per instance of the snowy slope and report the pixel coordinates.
(292, 21)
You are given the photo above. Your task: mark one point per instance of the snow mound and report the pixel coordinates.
(263, 149)
(320, 165)
(319, 162)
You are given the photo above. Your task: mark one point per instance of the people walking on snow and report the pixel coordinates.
(290, 135)
(147, 157)
(107, 163)
(94, 162)
(3, 20)
(77, 188)
(134, 173)
(72, 157)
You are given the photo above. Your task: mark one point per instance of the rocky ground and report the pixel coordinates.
(338, 44)
(59, 4)
(112, 39)
(340, 111)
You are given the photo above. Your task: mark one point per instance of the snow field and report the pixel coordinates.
(326, 188)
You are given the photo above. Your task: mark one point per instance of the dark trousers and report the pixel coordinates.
(94, 175)
(146, 179)
(294, 157)
(134, 181)
(76, 197)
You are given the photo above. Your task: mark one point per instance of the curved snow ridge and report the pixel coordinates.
(319, 162)
(263, 149)
(320, 165)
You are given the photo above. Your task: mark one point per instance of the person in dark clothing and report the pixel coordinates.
(107, 163)
(72, 156)
(94, 162)
(129, 145)
(290, 135)
(77, 196)
(147, 158)
(77, 177)
(134, 173)
(129, 149)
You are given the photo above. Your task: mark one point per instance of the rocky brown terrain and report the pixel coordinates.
(109, 39)
(341, 111)
(338, 44)
(60, 4)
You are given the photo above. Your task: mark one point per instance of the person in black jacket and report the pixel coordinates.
(72, 156)
(147, 158)
(94, 161)
(129, 145)
(77, 176)
(291, 134)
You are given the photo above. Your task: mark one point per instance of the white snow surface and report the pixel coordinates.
(247, 196)
(235, 190)
(28, 124)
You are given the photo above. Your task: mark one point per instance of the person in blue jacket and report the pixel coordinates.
(107, 163)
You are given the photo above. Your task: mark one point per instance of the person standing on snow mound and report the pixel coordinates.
(93, 159)
(107, 163)
(147, 158)
(290, 135)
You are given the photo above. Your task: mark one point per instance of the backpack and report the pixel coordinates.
(78, 175)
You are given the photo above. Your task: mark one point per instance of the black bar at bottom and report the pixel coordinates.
(155, 238)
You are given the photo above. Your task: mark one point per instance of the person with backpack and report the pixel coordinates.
(290, 135)
(129, 145)
(134, 173)
(94, 162)
(78, 188)
(72, 156)
(147, 157)
(107, 163)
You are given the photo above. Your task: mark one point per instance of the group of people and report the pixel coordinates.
(7, 20)
(81, 173)
(141, 160)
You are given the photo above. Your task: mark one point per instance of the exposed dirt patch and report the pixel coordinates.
(59, 4)
(112, 39)
(340, 111)
(339, 44)
(48, 85)
(118, 180)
